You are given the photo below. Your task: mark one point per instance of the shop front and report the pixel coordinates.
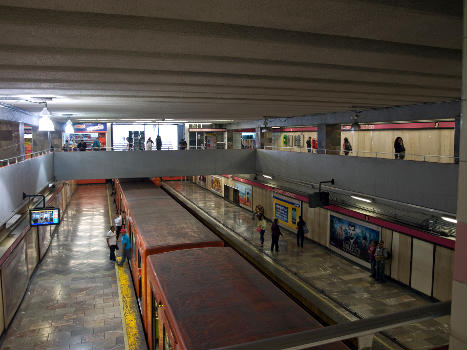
(89, 133)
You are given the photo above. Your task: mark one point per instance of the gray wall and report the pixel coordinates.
(30, 176)
(430, 185)
(106, 165)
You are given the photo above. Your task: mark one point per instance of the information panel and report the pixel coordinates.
(287, 210)
(44, 216)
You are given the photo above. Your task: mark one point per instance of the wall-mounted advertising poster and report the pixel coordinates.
(201, 180)
(245, 195)
(217, 185)
(286, 210)
(351, 237)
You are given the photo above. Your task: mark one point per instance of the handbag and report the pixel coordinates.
(305, 229)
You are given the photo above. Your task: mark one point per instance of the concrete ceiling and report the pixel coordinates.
(227, 60)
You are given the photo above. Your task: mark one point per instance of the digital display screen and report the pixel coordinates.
(44, 216)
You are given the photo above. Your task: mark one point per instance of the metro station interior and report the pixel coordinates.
(280, 174)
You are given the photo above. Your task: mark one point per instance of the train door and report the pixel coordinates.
(140, 282)
(155, 323)
(132, 240)
(166, 345)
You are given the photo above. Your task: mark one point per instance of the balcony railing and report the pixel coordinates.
(23, 157)
(435, 158)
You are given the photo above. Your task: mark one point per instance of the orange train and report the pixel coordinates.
(194, 293)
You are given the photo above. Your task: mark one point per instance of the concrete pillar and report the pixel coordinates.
(258, 137)
(329, 138)
(21, 138)
(458, 339)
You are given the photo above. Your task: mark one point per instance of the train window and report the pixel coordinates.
(140, 287)
(139, 259)
(166, 340)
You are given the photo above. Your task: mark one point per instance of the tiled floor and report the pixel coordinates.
(346, 283)
(73, 299)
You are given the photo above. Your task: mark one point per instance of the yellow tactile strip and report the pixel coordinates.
(132, 328)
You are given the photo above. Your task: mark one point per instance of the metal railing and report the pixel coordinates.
(23, 157)
(434, 158)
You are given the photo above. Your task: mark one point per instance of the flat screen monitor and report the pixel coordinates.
(44, 216)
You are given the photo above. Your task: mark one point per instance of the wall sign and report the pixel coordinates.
(90, 127)
(287, 210)
(245, 195)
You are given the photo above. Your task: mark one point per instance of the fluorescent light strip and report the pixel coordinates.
(362, 199)
(445, 218)
(267, 176)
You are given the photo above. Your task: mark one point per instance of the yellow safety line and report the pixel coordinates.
(120, 296)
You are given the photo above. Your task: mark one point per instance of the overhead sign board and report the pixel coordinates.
(90, 127)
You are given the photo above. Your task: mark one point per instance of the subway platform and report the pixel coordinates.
(75, 298)
(347, 285)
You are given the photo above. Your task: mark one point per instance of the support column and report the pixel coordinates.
(21, 138)
(329, 138)
(458, 339)
(457, 136)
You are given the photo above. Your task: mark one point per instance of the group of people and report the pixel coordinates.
(377, 253)
(71, 146)
(150, 143)
(113, 237)
(399, 148)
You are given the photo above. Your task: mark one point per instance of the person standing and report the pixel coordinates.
(262, 229)
(111, 237)
(308, 144)
(347, 146)
(381, 255)
(182, 144)
(300, 231)
(126, 248)
(158, 142)
(96, 145)
(371, 254)
(82, 146)
(399, 149)
(149, 144)
(118, 224)
(275, 234)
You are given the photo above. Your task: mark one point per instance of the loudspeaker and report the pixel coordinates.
(318, 199)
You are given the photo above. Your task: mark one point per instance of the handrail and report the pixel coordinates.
(23, 157)
(347, 330)
(369, 154)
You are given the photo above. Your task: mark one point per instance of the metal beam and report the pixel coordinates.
(425, 111)
(347, 330)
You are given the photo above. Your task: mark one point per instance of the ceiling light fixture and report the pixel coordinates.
(275, 127)
(45, 123)
(69, 127)
(448, 219)
(362, 199)
(267, 176)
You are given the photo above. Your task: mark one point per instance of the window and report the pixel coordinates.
(155, 323)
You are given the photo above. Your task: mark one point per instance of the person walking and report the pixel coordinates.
(381, 255)
(399, 149)
(300, 231)
(149, 144)
(275, 234)
(261, 229)
(118, 224)
(158, 143)
(347, 146)
(126, 247)
(308, 144)
(111, 237)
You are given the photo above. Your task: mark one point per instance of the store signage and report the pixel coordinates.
(90, 127)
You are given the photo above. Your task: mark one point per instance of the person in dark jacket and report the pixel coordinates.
(347, 146)
(300, 231)
(275, 233)
(158, 142)
(308, 145)
(82, 146)
(399, 149)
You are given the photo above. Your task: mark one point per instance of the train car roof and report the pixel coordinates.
(216, 298)
(162, 222)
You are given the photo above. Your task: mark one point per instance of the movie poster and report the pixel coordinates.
(352, 237)
(245, 195)
(287, 210)
(217, 185)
